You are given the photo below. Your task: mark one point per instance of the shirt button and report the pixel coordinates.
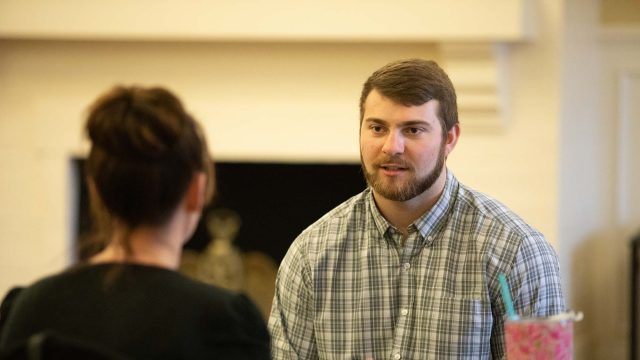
(404, 312)
(406, 266)
(397, 356)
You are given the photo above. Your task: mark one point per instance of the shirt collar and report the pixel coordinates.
(429, 222)
(381, 223)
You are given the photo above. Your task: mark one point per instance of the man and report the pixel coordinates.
(408, 269)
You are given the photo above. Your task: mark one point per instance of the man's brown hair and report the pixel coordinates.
(413, 82)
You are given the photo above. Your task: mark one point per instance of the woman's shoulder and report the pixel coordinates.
(56, 283)
(7, 305)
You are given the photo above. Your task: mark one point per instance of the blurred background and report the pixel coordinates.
(549, 96)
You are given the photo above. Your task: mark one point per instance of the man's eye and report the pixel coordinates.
(376, 128)
(414, 130)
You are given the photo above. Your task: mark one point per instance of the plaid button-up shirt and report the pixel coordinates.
(350, 288)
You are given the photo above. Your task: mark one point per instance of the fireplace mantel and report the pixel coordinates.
(471, 37)
(269, 20)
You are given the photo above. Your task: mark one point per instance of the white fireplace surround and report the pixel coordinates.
(470, 38)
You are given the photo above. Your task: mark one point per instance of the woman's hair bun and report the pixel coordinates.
(136, 123)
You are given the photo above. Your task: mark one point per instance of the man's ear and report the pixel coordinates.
(195, 192)
(452, 139)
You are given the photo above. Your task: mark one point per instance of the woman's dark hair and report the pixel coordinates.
(145, 149)
(414, 82)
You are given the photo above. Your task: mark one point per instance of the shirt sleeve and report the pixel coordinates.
(534, 281)
(291, 319)
(536, 277)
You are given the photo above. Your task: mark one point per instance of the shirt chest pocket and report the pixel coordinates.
(456, 326)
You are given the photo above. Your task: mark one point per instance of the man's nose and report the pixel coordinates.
(393, 144)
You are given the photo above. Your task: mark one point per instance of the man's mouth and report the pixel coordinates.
(393, 167)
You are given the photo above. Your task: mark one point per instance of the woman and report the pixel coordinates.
(149, 171)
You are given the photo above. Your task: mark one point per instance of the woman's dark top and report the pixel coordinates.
(141, 312)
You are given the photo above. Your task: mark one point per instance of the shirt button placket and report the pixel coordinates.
(406, 294)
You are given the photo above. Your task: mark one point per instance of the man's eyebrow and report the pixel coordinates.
(375, 120)
(403, 123)
(416, 123)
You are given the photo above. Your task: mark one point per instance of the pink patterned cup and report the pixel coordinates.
(539, 338)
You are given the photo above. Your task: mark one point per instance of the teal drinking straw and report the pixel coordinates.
(506, 297)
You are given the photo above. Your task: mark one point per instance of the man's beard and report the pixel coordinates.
(409, 189)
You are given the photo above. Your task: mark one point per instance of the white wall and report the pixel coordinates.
(598, 176)
(276, 100)
(518, 165)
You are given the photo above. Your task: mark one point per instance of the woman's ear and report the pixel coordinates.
(195, 197)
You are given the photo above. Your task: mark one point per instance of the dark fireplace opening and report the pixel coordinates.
(275, 201)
